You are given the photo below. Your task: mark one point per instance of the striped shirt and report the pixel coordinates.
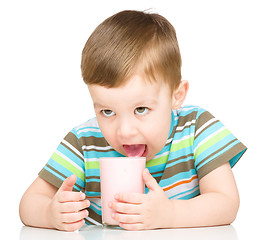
(197, 144)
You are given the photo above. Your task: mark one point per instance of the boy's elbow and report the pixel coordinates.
(233, 209)
(22, 211)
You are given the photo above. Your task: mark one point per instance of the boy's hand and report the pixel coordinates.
(143, 211)
(67, 209)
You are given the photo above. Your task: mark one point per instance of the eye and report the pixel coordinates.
(141, 110)
(108, 113)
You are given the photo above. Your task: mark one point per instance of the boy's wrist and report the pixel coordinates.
(173, 212)
(169, 220)
(49, 216)
(177, 212)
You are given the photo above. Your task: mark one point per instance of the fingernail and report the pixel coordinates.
(116, 196)
(83, 196)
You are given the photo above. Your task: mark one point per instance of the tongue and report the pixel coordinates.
(135, 150)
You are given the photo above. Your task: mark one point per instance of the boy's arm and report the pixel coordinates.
(43, 205)
(216, 205)
(35, 202)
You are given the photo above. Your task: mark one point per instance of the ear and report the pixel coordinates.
(179, 94)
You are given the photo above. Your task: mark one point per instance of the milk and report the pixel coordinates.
(117, 175)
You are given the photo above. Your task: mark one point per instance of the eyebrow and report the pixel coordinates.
(145, 102)
(98, 105)
(140, 103)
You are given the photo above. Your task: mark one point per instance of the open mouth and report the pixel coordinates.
(136, 150)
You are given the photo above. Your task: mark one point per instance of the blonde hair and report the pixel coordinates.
(128, 41)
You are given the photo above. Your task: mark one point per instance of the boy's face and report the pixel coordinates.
(134, 118)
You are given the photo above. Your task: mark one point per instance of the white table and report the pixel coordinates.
(97, 232)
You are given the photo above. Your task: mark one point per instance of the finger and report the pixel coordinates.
(132, 226)
(68, 183)
(71, 227)
(68, 196)
(149, 180)
(127, 218)
(125, 207)
(74, 217)
(135, 198)
(69, 207)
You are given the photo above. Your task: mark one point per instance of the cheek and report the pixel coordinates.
(107, 131)
(161, 134)
(157, 131)
(109, 136)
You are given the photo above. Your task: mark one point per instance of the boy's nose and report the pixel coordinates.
(126, 130)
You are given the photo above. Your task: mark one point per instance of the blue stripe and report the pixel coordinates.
(71, 156)
(90, 180)
(87, 223)
(60, 177)
(188, 196)
(210, 130)
(234, 160)
(92, 194)
(156, 168)
(177, 177)
(179, 161)
(95, 154)
(185, 132)
(90, 134)
(99, 212)
(214, 148)
(79, 129)
(63, 171)
(100, 207)
(180, 153)
(186, 110)
(93, 172)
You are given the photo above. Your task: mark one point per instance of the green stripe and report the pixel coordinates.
(92, 165)
(182, 144)
(215, 139)
(68, 166)
(157, 161)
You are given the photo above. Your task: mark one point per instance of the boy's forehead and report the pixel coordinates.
(135, 89)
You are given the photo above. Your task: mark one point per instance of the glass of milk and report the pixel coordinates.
(118, 175)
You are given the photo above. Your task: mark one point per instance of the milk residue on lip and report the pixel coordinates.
(135, 150)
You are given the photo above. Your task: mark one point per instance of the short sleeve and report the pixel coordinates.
(214, 144)
(68, 159)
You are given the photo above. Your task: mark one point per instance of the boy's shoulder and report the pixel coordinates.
(191, 115)
(189, 111)
(89, 135)
(87, 129)
(91, 123)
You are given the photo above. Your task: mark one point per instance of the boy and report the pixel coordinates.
(132, 66)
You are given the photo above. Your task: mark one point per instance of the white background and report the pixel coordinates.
(43, 95)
